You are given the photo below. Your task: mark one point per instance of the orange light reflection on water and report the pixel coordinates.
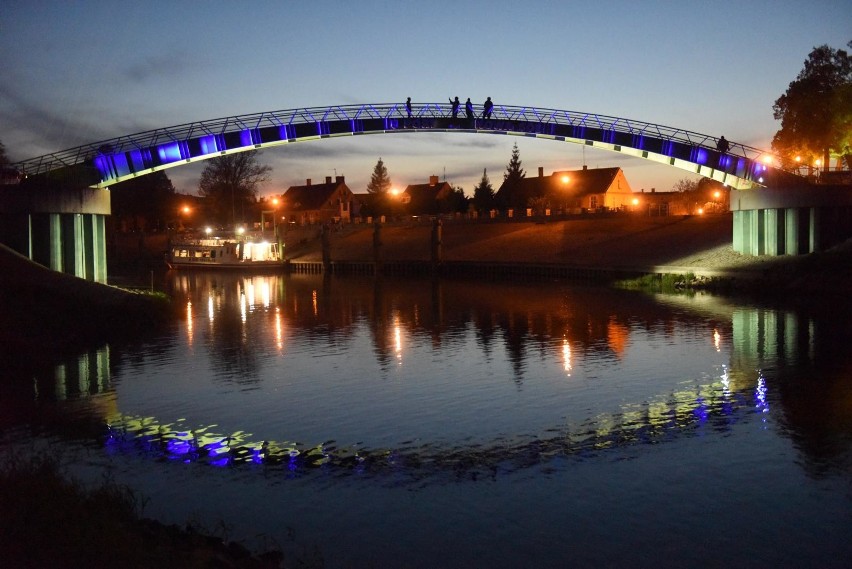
(279, 330)
(189, 322)
(566, 356)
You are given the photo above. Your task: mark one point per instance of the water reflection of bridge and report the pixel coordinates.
(758, 338)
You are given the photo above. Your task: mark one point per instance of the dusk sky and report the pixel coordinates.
(78, 72)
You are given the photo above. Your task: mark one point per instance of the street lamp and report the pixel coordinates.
(566, 180)
(183, 215)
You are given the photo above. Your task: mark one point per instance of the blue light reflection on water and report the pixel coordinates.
(380, 427)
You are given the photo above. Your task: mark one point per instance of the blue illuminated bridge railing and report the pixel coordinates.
(111, 161)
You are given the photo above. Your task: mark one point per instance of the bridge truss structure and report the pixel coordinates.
(111, 161)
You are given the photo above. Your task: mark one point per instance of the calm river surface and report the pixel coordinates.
(412, 423)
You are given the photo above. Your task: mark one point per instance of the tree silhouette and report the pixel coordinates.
(230, 184)
(454, 202)
(508, 196)
(4, 160)
(379, 182)
(145, 202)
(514, 172)
(483, 194)
(816, 110)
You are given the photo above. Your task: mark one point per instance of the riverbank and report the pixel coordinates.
(55, 312)
(693, 245)
(52, 520)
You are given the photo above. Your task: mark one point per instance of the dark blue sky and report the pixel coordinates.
(78, 72)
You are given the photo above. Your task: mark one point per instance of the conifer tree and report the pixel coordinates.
(507, 196)
(514, 172)
(483, 194)
(379, 182)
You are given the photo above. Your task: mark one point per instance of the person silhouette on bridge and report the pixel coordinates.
(487, 107)
(455, 105)
(408, 106)
(722, 145)
(468, 108)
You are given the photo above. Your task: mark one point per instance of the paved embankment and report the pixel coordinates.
(697, 244)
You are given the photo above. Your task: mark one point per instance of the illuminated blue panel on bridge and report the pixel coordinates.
(138, 159)
(699, 156)
(170, 152)
(286, 132)
(208, 144)
(119, 163)
(246, 138)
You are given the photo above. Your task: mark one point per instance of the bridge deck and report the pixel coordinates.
(111, 161)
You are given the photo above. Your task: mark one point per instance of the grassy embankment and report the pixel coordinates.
(50, 520)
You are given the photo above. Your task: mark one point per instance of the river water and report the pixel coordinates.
(356, 422)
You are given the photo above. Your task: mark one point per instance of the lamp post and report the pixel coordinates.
(271, 213)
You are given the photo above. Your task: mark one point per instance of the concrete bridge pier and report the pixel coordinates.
(792, 220)
(62, 229)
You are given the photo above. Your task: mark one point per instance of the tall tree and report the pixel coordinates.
(514, 172)
(508, 196)
(230, 184)
(483, 193)
(816, 110)
(379, 182)
(4, 160)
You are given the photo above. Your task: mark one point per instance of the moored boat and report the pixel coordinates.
(241, 251)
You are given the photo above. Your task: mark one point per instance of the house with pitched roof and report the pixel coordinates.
(426, 199)
(568, 191)
(318, 203)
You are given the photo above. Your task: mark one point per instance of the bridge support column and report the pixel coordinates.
(792, 231)
(790, 221)
(773, 227)
(64, 230)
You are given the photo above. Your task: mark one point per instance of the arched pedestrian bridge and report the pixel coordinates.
(110, 161)
(56, 214)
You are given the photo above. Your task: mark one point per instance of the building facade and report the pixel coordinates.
(567, 191)
(311, 203)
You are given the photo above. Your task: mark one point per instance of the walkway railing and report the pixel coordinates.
(110, 161)
(254, 122)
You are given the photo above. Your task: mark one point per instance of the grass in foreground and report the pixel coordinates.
(50, 520)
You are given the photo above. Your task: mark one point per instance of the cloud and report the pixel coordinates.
(159, 66)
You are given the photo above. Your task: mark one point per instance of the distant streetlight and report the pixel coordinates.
(183, 215)
(566, 180)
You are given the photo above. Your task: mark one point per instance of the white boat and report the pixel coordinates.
(237, 252)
